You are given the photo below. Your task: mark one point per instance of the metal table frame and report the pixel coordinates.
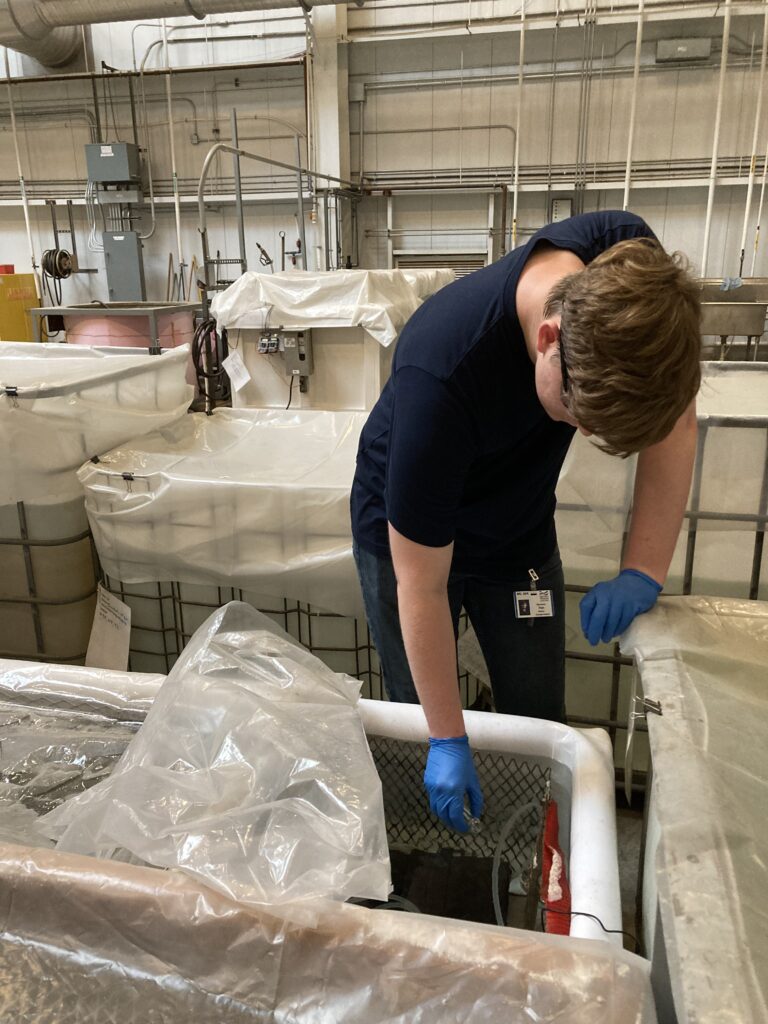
(148, 310)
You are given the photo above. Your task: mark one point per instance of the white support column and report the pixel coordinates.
(330, 113)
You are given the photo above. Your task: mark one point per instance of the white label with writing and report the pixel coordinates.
(533, 604)
(110, 634)
(107, 151)
(236, 370)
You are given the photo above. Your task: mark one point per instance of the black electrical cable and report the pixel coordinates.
(56, 265)
(580, 913)
(290, 392)
(204, 330)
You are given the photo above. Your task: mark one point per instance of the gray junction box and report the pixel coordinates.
(113, 163)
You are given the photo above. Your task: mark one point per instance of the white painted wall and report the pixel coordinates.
(444, 129)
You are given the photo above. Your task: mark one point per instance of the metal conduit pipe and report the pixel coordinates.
(633, 107)
(755, 134)
(44, 115)
(716, 137)
(221, 147)
(520, 81)
(22, 188)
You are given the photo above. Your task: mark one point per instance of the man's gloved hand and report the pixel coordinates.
(450, 773)
(608, 608)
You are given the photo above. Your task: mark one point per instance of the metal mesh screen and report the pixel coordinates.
(508, 786)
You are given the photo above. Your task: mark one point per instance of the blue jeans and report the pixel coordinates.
(525, 657)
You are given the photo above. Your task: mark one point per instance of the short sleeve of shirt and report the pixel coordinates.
(431, 449)
(590, 234)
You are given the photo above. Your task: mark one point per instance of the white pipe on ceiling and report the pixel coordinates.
(633, 108)
(24, 200)
(759, 214)
(47, 29)
(755, 134)
(716, 136)
(521, 65)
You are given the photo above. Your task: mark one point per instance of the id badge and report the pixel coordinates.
(533, 604)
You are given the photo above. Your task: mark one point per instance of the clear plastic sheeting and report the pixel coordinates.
(256, 497)
(60, 406)
(96, 942)
(46, 757)
(62, 729)
(705, 660)
(251, 772)
(122, 696)
(429, 280)
(380, 301)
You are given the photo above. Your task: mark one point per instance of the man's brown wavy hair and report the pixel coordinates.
(630, 337)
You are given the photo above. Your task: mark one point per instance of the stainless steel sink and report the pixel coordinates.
(733, 319)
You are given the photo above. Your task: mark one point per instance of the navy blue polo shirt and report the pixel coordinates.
(458, 448)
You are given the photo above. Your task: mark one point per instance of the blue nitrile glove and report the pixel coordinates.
(608, 608)
(450, 773)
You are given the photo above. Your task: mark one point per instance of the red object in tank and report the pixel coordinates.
(555, 891)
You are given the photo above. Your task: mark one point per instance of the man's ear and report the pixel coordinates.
(548, 335)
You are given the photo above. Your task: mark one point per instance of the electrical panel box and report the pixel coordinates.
(113, 163)
(297, 352)
(125, 266)
(561, 209)
(683, 49)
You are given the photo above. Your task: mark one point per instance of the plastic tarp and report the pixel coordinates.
(251, 772)
(63, 728)
(380, 301)
(258, 497)
(706, 661)
(426, 282)
(90, 940)
(87, 941)
(122, 696)
(61, 405)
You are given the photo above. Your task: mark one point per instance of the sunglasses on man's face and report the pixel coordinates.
(564, 372)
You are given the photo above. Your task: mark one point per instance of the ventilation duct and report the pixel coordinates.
(46, 29)
(22, 29)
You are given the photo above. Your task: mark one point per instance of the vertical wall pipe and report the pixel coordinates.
(22, 186)
(753, 160)
(633, 107)
(716, 137)
(516, 192)
(174, 175)
(550, 141)
(238, 194)
(759, 213)
(300, 206)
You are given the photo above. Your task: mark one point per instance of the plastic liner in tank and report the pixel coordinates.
(61, 405)
(255, 496)
(705, 660)
(251, 772)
